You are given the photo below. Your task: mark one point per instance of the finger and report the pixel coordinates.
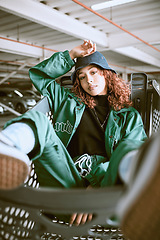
(94, 47)
(72, 218)
(88, 51)
(88, 44)
(85, 42)
(90, 216)
(84, 218)
(78, 219)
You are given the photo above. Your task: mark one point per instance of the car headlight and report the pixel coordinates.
(31, 102)
(1, 109)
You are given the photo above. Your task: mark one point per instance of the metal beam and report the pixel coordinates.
(12, 74)
(53, 19)
(138, 55)
(121, 39)
(20, 49)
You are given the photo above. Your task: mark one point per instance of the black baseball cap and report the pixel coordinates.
(96, 58)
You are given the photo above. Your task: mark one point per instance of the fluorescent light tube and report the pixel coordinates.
(109, 4)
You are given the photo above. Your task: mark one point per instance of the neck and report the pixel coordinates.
(101, 100)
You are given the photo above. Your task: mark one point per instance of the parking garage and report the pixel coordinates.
(126, 33)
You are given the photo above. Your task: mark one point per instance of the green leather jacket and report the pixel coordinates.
(124, 131)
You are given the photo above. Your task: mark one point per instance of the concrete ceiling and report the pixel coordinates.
(32, 30)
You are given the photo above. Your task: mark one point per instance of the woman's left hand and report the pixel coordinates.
(81, 218)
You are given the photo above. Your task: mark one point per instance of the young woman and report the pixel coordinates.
(94, 126)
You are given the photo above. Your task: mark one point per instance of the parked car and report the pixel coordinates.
(16, 99)
(32, 94)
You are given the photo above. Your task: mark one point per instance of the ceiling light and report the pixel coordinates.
(109, 4)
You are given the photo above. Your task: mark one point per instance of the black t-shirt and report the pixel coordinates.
(90, 135)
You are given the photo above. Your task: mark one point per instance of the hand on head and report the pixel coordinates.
(87, 48)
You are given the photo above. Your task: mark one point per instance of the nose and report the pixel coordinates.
(89, 79)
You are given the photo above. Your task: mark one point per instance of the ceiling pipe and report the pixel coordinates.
(116, 25)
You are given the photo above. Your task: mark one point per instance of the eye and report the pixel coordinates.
(94, 72)
(81, 78)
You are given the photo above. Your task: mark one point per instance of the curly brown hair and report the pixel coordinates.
(117, 90)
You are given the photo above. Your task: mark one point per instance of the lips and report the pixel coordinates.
(92, 87)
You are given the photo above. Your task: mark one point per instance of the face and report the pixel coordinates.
(92, 80)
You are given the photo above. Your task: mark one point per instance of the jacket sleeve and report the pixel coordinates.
(45, 73)
(132, 136)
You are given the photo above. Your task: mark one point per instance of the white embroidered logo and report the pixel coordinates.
(63, 127)
(83, 165)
